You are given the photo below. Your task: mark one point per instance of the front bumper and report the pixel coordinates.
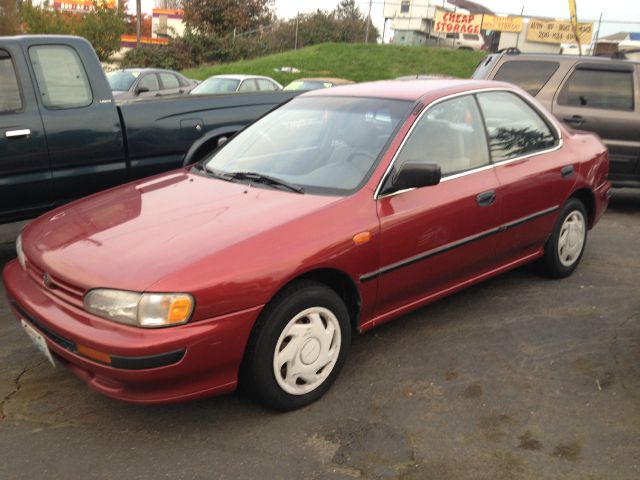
(165, 365)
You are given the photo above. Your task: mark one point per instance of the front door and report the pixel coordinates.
(25, 172)
(434, 238)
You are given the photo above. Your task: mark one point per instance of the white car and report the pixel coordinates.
(236, 83)
(466, 41)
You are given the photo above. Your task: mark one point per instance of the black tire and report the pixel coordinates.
(555, 264)
(258, 375)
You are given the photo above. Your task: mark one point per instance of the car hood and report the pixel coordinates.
(132, 236)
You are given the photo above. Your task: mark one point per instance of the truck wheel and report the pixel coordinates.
(298, 347)
(564, 248)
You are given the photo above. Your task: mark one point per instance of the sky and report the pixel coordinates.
(621, 10)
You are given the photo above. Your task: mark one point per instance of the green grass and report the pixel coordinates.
(359, 62)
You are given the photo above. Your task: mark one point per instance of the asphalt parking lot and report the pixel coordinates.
(518, 378)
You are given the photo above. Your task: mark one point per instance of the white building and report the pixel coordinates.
(413, 20)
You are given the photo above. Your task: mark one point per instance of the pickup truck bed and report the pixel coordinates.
(62, 135)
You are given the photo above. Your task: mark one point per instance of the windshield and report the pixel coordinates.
(326, 145)
(216, 85)
(121, 81)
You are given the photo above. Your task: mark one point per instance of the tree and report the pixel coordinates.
(347, 10)
(221, 17)
(9, 18)
(102, 26)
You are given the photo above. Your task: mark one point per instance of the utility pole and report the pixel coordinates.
(138, 21)
(366, 35)
(295, 45)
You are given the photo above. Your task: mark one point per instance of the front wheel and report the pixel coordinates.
(298, 347)
(565, 247)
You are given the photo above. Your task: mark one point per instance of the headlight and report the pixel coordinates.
(20, 253)
(140, 309)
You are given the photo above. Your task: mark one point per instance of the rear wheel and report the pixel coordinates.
(565, 247)
(298, 347)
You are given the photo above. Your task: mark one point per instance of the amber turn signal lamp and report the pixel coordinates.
(361, 238)
(93, 354)
(179, 310)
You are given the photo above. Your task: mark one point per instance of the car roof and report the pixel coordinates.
(558, 57)
(341, 81)
(240, 77)
(411, 90)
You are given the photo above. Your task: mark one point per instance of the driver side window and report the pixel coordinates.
(449, 134)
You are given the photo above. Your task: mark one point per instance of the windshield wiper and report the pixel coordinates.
(265, 180)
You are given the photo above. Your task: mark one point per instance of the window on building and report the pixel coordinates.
(404, 6)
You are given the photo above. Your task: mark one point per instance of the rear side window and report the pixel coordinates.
(598, 89)
(248, 86)
(528, 75)
(10, 100)
(62, 80)
(266, 85)
(514, 128)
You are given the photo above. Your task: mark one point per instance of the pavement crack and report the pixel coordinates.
(16, 387)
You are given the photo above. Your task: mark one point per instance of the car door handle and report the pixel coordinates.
(485, 199)
(574, 121)
(25, 132)
(566, 171)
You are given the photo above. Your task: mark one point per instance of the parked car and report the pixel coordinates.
(317, 82)
(148, 82)
(600, 95)
(335, 213)
(63, 136)
(236, 83)
(464, 41)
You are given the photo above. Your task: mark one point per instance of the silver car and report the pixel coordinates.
(236, 83)
(148, 82)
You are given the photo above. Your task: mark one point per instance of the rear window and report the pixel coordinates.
(529, 75)
(62, 80)
(598, 89)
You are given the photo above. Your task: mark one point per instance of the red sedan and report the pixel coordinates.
(342, 209)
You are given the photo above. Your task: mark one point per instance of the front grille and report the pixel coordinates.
(61, 289)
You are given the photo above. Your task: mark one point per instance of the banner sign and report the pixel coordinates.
(80, 5)
(451, 22)
(558, 31)
(501, 24)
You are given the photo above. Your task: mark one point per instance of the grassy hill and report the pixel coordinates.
(358, 62)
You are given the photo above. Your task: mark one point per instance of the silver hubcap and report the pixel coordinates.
(571, 239)
(307, 350)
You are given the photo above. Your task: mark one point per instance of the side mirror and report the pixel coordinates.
(140, 90)
(417, 175)
(222, 141)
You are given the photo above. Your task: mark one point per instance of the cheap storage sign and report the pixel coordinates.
(558, 31)
(451, 22)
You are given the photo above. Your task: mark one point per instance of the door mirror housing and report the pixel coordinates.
(140, 90)
(417, 175)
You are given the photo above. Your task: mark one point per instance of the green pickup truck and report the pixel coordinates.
(62, 135)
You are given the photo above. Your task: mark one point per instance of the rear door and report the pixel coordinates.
(170, 84)
(25, 173)
(603, 98)
(536, 174)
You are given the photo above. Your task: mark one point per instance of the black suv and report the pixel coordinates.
(597, 94)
